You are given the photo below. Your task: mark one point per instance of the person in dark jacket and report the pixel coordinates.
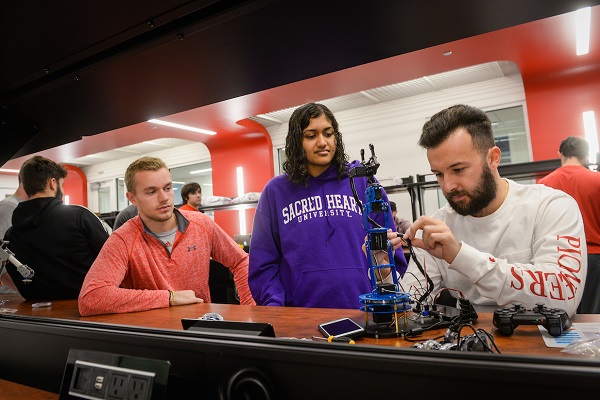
(59, 242)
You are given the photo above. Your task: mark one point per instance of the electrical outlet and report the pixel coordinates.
(81, 379)
(95, 375)
(109, 382)
(89, 381)
(98, 383)
(118, 386)
(138, 389)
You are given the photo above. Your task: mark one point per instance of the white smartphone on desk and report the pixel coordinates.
(343, 327)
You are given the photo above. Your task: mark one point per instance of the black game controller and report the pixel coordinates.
(555, 320)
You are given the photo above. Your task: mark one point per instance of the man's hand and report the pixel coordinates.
(381, 256)
(437, 238)
(182, 297)
(395, 241)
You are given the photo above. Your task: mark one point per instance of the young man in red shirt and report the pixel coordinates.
(574, 178)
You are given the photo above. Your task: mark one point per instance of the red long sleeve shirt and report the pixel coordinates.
(134, 271)
(584, 186)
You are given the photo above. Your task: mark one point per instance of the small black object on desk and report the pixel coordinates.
(555, 320)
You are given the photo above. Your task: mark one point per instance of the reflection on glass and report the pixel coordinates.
(104, 199)
(122, 201)
(508, 125)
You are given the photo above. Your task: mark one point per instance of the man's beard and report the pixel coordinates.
(482, 196)
(59, 193)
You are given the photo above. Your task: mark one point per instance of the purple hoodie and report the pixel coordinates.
(306, 243)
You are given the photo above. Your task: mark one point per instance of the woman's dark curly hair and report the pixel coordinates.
(295, 164)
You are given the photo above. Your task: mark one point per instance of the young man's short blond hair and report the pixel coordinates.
(141, 164)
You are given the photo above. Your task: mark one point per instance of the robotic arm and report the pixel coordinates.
(7, 255)
(385, 299)
(376, 234)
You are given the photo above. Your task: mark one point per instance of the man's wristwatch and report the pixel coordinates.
(171, 297)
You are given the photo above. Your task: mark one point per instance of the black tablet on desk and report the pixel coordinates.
(231, 327)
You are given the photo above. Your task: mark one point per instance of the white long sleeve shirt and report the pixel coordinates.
(531, 250)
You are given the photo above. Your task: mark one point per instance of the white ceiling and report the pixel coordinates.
(426, 84)
(138, 149)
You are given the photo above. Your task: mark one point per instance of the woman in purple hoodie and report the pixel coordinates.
(306, 242)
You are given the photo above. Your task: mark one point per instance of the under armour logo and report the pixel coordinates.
(191, 247)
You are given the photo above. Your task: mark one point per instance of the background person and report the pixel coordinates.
(125, 215)
(159, 258)
(574, 178)
(307, 235)
(402, 226)
(7, 207)
(59, 242)
(191, 194)
(497, 241)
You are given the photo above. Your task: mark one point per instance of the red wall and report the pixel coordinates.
(76, 186)
(555, 105)
(253, 152)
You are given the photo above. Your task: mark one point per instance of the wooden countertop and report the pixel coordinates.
(288, 322)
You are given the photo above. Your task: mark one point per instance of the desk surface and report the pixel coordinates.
(15, 391)
(288, 322)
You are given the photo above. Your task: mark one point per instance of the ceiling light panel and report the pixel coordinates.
(582, 30)
(180, 126)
